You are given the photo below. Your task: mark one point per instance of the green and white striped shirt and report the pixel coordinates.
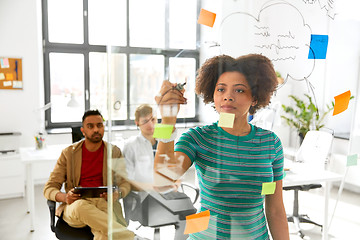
(231, 170)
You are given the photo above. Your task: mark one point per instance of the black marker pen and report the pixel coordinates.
(180, 86)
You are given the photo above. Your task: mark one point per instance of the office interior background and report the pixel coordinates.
(159, 52)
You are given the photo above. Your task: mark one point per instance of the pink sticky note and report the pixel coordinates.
(4, 62)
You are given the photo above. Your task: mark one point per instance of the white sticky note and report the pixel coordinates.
(17, 84)
(226, 120)
(2, 76)
(7, 83)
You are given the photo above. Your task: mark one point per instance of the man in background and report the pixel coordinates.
(85, 164)
(139, 151)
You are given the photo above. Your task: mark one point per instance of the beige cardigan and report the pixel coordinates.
(68, 170)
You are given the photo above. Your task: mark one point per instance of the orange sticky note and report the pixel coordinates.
(268, 188)
(341, 102)
(9, 76)
(197, 222)
(206, 18)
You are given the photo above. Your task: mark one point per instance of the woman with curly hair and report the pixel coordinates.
(232, 163)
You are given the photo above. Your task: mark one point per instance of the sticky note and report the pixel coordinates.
(268, 188)
(226, 120)
(197, 222)
(9, 76)
(17, 84)
(352, 160)
(206, 18)
(7, 83)
(163, 131)
(318, 46)
(2, 76)
(4, 62)
(341, 102)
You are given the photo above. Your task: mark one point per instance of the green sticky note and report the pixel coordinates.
(226, 120)
(268, 188)
(163, 131)
(352, 160)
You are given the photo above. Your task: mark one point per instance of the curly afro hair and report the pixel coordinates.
(257, 69)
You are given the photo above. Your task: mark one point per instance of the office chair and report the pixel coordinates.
(313, 151)
(157, 210)
(63, 231)
(76, 134)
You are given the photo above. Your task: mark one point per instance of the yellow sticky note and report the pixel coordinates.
(268, 188)
(197, 222)
(206, 18)
(341, 102)
(9, 76)
(226, 120)
(2, 76)
(163, 131)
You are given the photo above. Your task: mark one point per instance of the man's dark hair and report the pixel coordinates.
(91, 113)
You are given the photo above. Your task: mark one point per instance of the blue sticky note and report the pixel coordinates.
(318, 46)
(352, 160)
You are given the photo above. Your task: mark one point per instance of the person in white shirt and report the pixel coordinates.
(139, 151)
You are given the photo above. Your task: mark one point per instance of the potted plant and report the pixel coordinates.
(305, 115)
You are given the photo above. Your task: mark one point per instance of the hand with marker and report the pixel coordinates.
(169, 98)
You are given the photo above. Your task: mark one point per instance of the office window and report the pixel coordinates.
(101, 15)
(147, 27)
(98, 86)
(67, 87)
(145, 42)
(182, 29)
(65, 21)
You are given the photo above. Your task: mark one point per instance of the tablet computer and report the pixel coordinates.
(92, 192)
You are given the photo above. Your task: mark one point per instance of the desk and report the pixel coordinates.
(303, 174)
(29, 156)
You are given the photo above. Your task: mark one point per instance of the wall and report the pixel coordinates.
(20, 26)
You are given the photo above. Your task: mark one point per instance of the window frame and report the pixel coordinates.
(85, 49)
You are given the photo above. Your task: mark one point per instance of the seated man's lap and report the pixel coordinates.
(75, 213)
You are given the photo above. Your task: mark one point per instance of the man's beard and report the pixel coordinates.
(95, 138)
